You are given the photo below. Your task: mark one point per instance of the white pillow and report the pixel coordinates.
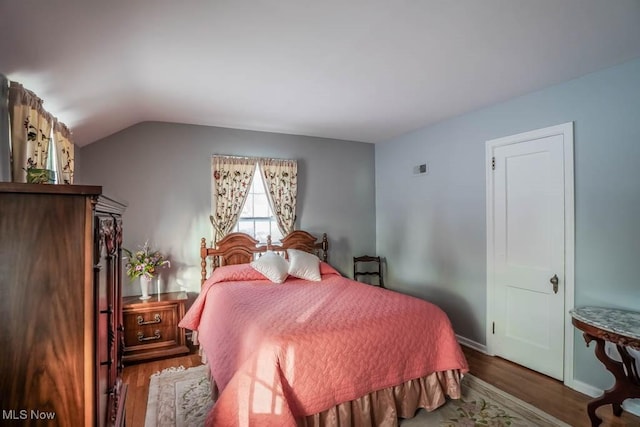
(304, 265)
(272, 266)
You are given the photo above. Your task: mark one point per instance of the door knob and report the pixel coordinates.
(554, 282)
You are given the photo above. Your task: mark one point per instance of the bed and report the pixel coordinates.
(327, 351)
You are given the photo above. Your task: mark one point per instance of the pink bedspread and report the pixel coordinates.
(279, 352)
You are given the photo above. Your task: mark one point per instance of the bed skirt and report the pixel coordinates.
(384, 407)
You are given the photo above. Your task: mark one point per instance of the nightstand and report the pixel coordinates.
(151, 327)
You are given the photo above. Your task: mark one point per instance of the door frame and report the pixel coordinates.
(566, 131)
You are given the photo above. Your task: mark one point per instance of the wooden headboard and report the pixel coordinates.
(240, 248)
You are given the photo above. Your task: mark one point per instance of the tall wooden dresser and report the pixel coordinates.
(61, 328)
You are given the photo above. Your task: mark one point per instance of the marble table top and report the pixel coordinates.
(621, 322)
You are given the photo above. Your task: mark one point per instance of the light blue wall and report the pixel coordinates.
(163, 171)
(432, 229)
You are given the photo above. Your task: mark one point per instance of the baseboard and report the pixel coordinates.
(584, 388)
(472, 344)
(630, 405)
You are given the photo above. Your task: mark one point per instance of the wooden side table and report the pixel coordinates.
(621, 328)
(151, 327)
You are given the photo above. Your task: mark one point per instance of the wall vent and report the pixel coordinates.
(422, 169)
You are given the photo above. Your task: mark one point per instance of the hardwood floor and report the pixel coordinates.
(539, 390)
(137, 376)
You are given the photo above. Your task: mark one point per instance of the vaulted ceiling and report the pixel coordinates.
(364, 70)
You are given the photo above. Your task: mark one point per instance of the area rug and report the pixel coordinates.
(180, 397)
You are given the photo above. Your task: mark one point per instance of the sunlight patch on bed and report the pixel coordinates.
(311, 310)
(289, 364)
(265, 391)
(265, 401)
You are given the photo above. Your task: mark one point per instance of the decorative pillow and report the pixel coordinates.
(236, 273)
(304, 265)
(273, 266)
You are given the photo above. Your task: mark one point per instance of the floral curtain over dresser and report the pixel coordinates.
(281, 179)
(64, 152)
(30, 132)
(232, 178)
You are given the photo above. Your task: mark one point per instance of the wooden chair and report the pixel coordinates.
(368, 259)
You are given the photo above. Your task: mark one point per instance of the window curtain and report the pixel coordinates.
(65, 150)
(30, 132)
(281, 181)
(232, 178)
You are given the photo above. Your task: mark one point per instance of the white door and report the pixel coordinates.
(527, 268)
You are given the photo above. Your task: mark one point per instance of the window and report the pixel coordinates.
(256, 218)
(52, 160)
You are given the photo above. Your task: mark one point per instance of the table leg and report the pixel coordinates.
(625, 387)
(617, 409)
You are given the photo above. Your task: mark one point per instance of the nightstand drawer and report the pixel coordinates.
(151, 327)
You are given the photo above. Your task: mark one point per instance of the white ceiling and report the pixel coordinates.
(364, 70)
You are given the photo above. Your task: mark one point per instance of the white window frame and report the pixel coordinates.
(258, 184)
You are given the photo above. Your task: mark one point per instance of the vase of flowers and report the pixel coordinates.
(143, 264)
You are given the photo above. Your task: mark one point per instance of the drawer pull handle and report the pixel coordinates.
(156, 319)
(156, 336)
